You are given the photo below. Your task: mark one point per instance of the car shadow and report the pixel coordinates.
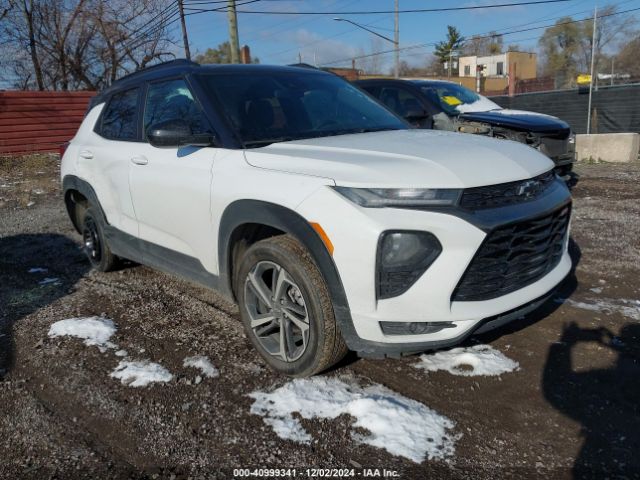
(35, 271)
(605, 401)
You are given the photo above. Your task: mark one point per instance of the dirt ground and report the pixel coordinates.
(572, 409)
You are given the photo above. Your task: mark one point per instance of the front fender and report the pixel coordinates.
(243, 212)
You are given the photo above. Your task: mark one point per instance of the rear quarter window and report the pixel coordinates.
(120, 117)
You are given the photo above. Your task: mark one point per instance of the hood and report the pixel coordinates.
(404, 158)
(520, 120)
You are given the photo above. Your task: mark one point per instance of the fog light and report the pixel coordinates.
(403, 256)
(413, 328)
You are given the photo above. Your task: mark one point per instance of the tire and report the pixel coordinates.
(302, 305)
(94, 243)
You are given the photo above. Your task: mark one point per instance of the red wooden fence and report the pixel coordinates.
(39, 121)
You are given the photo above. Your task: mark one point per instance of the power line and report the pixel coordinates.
(492, 34)
(295, 23)
(320, 40)
(415, 10)
(143, 37)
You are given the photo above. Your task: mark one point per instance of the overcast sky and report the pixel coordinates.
(278, 39)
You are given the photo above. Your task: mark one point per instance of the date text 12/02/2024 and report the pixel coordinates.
(315, 473)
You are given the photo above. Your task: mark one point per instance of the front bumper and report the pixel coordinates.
(371, 349)
(354, 232)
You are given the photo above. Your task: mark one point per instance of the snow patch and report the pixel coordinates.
(93, 330)
(483, 104)
(37, 270)
(203, 363)
(140, 373)
(468, 362)
(507, 111)
(122, 353)
(402, 426)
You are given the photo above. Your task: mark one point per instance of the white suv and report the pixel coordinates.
(330, 222)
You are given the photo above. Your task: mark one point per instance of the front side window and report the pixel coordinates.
(270, 107)
(172, 100)
(120, 117)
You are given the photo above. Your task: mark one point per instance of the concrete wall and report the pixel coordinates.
(608, 147)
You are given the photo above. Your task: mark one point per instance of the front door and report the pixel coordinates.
(170, 187)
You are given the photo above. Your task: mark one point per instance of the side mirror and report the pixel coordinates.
(177, 133)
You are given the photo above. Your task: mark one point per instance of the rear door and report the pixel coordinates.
(170, 187)
(103, 160)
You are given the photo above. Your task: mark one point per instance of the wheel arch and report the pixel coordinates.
(239, 214)
(79, 192)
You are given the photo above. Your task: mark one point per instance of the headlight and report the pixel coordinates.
(400, 197)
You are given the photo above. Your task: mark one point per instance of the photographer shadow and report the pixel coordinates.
(605, 401)
(35, 271)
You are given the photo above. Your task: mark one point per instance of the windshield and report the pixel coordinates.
(454, 99)
(272, 107)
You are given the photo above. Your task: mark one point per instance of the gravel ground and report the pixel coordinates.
(571, 409)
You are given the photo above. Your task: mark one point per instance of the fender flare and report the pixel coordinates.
(244, 212)
(72, 182)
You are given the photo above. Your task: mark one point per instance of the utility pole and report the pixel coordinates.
(185, 38)
(593, 63)
(396, 41)
(234, 42)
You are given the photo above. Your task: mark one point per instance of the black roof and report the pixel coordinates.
(182, 66)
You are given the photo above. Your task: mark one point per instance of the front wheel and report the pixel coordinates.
(286, 309)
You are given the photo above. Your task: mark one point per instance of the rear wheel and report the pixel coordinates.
(286, 309)
(94, 243)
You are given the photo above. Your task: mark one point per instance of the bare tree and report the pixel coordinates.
(83, 44)
(372, 64)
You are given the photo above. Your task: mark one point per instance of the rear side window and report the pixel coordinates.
(120, 118)
(172, 100)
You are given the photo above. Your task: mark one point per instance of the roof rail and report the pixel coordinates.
(171, 63)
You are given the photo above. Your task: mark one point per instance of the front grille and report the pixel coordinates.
(514, 256)
(504, 194)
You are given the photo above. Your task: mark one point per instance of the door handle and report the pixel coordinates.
(86, 154)
(139, 160)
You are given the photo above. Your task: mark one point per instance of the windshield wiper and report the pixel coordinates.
(267, 141)
(315, 134)
(331, 133)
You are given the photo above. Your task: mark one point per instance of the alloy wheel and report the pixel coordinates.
(277, 311)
